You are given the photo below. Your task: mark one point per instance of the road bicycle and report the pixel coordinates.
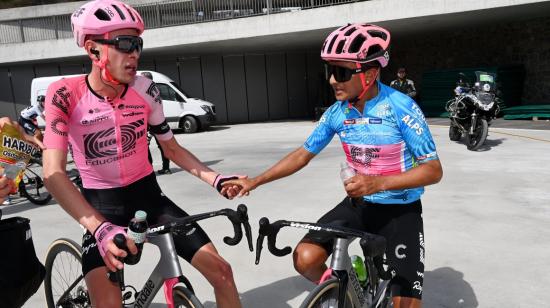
(31, 185)
(339, 286)
(64, 283)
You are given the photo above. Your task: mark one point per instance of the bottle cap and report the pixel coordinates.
(140, 215)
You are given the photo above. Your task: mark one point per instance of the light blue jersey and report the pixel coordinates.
(390, 137)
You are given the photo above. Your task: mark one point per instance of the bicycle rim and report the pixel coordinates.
(64, 284)
(325, 295)
(183, 298)
(32, 186)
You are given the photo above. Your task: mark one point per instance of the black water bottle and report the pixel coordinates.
(137, 231)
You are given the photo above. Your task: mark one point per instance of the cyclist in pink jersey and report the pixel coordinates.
(102, 119)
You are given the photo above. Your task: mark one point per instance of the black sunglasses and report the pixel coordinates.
(124, 43)
(343, 74)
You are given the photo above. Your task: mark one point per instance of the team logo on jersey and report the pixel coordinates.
(95, 120)
(61, 99)
(154, 92)
(103, 143)
(59, 127)
(375, 121)
(363, 155)
(131, 114)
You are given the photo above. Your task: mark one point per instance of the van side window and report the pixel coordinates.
(167, 93)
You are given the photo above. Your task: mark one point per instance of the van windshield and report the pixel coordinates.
(180, 89)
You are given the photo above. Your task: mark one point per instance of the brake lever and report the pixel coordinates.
(264, 225)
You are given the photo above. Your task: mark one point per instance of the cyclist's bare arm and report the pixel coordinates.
(186, 160)
(72, 201)
(424, 174)
(290, 164)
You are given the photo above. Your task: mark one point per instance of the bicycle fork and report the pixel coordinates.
(347, 278)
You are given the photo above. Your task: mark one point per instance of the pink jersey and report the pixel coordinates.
(108, 139)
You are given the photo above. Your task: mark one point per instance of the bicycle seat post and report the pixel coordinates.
(340, 257)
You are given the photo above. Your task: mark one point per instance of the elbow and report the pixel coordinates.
(437, 174)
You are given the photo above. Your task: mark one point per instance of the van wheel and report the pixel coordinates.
(189, 125)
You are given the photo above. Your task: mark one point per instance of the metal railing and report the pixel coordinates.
(161, 14)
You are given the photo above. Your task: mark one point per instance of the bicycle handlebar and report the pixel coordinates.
(371, 244)
(237, 218)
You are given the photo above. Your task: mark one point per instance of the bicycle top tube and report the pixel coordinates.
(371, 244)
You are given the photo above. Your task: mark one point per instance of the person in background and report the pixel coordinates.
(404, 85)
(165, 161)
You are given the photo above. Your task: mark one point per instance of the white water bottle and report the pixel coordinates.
(346, 171)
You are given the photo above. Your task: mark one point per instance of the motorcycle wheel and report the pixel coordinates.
(476, 140)
(454, 133)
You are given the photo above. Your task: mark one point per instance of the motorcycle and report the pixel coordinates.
(472, 109)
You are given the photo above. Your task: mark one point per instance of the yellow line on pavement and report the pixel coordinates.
(497, 132)
(521, 136)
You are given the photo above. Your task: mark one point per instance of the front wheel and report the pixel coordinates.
(325, 295)
(475, 141)
(189, 125)
(454, 133)
(64, 283)
(32, 186)
(183, 298)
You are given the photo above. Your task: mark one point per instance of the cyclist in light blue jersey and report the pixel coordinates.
(386, 140)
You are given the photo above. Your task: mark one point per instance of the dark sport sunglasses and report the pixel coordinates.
(343, 74)
(124, 43)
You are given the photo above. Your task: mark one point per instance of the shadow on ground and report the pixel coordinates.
(273, 295)
(20, 205)
(178, 131)
(446, 287)
(487, 145)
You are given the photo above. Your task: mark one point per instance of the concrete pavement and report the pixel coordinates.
(486, 222)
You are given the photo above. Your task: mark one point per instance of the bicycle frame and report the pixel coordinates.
(167, 271)
(340, 264)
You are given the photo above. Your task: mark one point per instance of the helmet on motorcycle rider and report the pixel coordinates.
(360, 43)
(103, 16)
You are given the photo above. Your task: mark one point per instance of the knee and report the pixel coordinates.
(305, 259)
(222, 276)
(107, 301)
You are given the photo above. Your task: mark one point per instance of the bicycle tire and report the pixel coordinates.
(35, 196)
(325, 295)
(183, 298)
(79, 293)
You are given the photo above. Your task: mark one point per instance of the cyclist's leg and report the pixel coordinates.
(312, 252)
(402, 226)
(309, 259)
(102, 291)
(218, 272)
(196, 248)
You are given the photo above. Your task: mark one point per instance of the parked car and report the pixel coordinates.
(181, 111)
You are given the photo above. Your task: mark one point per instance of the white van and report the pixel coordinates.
(180, 110)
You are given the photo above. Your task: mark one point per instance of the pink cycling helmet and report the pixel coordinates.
(103, 16)
(360, 43)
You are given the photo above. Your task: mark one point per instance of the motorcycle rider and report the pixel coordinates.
(404, 85)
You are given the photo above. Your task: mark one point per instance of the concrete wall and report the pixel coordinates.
(526, 43)
(265, 27)
(244, 87)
